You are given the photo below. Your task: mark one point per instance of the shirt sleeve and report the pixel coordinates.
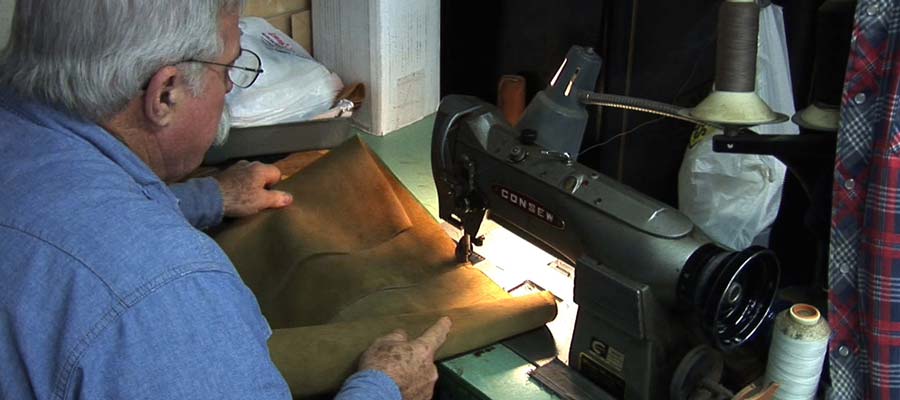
(200, 201)
(198, 336)
(369, 384)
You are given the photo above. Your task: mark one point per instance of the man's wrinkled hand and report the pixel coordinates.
(245, 188)
(410, 363)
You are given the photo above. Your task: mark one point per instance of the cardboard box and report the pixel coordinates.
(271, 8)
(301, 30)
(392, 46)
(289, 16)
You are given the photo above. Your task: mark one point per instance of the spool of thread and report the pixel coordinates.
(736, 46)
(733, 100)
(799, 344)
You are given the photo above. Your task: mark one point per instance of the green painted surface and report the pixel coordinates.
(407, 152)
(494, 372)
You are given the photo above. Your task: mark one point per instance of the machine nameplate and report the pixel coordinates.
(604, 365)
(529, 205)
(613, 359)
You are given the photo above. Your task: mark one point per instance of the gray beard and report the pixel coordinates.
(224, 127)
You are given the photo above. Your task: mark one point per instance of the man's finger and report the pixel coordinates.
(270, 173)
(396, 335)
(435, 336)
(280, 199)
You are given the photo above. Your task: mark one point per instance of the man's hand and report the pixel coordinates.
(245, 191)
(410, 363)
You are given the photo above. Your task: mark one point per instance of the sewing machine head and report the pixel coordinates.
(649, 284)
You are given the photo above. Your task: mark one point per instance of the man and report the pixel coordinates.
(106, 290)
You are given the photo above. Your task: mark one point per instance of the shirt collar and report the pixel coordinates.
(59, 120)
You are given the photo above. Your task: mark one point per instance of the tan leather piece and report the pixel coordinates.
(316, 359)
(328, 216)
(297, 161)
(355, 257)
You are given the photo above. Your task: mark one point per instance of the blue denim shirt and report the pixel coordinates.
(107, 291)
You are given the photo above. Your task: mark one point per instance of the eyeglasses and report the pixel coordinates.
(243, 71)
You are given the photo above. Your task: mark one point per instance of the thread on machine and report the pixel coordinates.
(797, 352)
(738, 32)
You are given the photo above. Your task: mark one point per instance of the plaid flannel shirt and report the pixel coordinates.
(864, 262)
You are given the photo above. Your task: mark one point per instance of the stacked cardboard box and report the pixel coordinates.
(290, 16)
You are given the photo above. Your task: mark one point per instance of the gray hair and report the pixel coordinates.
(92, 57)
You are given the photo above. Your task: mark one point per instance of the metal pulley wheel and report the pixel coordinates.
(697, 376)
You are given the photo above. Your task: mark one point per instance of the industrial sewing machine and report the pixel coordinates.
(650, 286)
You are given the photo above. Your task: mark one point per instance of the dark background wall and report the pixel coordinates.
(656, 49)
(660, 50)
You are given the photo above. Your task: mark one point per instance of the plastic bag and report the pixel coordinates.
(293, 86)
(734, 198)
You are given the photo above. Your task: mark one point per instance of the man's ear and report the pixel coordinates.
(161, 95)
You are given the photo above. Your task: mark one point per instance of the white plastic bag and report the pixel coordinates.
(293, 86)
(735, 198)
